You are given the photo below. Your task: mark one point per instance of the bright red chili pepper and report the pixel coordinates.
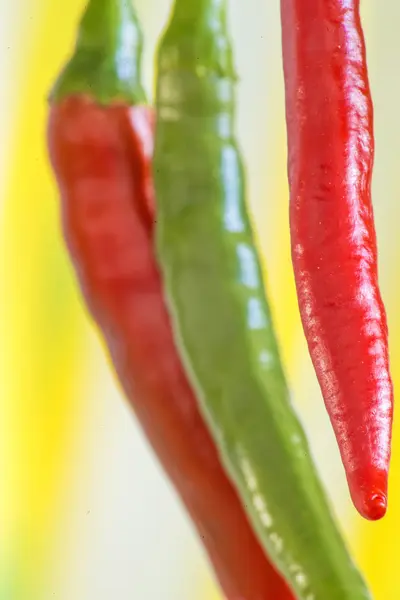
(101, 158)
(331, 147)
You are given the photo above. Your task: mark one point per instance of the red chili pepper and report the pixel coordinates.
(331, 147)
(101, 158)
(100, 137)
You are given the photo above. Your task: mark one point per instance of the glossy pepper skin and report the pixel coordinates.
(220, 314)
(100, 148)
(331, 148)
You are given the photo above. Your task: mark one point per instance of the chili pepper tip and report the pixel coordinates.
(376, 507)
(369, 493)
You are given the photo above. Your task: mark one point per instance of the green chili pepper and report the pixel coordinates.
(221, 319)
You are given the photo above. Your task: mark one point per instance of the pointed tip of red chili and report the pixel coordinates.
(369, 493)
(375, 507)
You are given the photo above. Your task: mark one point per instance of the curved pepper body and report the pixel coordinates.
(101, 158)
(220, 315)
(331, 147)
(100, 138)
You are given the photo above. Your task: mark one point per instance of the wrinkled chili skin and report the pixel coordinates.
(331, 150)
(101, 159)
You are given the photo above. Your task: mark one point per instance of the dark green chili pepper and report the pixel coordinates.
(221, 319)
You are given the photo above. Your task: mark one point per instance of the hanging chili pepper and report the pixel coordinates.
(331, 148)
(221, 318)
(100, 140)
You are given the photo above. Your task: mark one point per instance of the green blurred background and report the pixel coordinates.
(85, 512)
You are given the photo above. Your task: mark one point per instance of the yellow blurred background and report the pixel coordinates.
(85, 511)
